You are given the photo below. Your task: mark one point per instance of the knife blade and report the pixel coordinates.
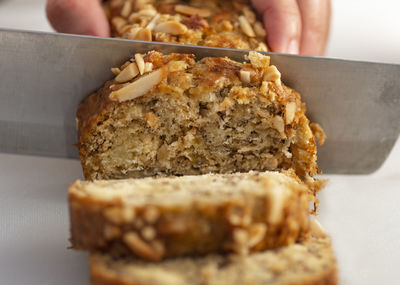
(44, 76)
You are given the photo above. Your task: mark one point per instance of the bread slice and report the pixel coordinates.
(188, 117)
(168, 217)
(308, 263)
(223, 23)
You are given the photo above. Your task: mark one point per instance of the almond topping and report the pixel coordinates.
(278, 124)
(187, 10)
(290, 111)
(249, 15)
(128, 73)
(140, 247)
(118, 23)
(148, 67)
(115, 70)
(258, 60)
(138, 87)
(171, 27)
(272, 74)
(153, 22)
(246, 27)
(245, 76)
(126, 9)
(317, 230)
(140, 62)
(144, 35)
(259, 30)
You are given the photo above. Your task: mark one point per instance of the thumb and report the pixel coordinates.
(78, 17)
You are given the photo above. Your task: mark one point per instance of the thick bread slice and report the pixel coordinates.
(222, 23)
(168, 217)
(308, 263)
(188, 117)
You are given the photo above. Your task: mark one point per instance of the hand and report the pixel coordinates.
(84, 17)
(296, 26)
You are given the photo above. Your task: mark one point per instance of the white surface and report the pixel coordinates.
(360, 212)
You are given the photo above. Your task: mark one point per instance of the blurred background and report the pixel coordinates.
(361, 213)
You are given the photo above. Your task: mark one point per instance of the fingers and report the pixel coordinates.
(315, 16)
(283, 24)
(84, 17)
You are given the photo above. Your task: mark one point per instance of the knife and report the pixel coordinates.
(44, 76)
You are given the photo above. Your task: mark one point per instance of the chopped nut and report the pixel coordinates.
(259, 60)
(249, 15)
(272, 74)
(148, 233)
(278, 124)
(128, 73)
(111, 232)
(140, 62)
(113, 214)
(256, 234)
(171, 27)
(151, 214)
(290, 111)
(259, 30)
(245, 76)
(177, 65)
(118, 23)
(246, 27)
(139, 87)
(190, 11)
(148, 67)
(140, 247)
(227, 25)
(126, 9)
(317, 230)
(153, 22)
(261, 47)
(152, 120)
(144, 35)
(125, 65)
(115, 70)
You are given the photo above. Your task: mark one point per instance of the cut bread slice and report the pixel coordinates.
(188, 117)
(169, 217)
(309, 263)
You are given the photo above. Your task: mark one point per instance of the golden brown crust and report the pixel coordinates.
(229, 24)
(222, 215)
(311, 263)
(211, 115)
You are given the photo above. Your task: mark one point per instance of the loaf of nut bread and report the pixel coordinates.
(309, 263)
(223, 23)
(173, 115)
(157, 218)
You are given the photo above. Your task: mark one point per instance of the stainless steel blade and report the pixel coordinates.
(43, 77)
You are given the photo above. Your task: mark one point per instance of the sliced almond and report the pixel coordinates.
(126, 9)
(144, 35)
(148, 67)
(190, 11)
(278, 124)
(317, 230)
(139, 87)
(115, 70)
(245, 76)
(259, 30)
(130, 72)
(153, 22)
(246, 27)
(118, 23)
(290, 111)
(259, 60)
(132, 33)
(171, 27)
(272, 74)
(140, 62)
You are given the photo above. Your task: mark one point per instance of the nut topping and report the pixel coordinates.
(317, 230)
(126, 9)
(153, 22)
(246, 27)
(140, 62)
(190, 11)
(139, 87)
(272, 74)
(259, 30)
(171, 27)
(128, 73)
(290, 111)
(144, 35)
(245, 76)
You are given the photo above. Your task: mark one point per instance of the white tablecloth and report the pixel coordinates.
(361, 213)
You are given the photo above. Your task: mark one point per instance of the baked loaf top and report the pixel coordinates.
(309, 263)
(173, 115)
(224, 23)
(157, 218)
